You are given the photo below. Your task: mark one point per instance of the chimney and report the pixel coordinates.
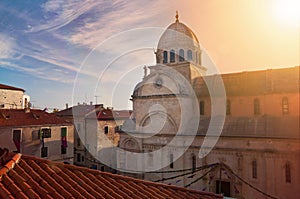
(67, 105)
(26, 107)
(91, 103)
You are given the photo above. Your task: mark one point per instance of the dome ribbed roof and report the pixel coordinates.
(182, 28)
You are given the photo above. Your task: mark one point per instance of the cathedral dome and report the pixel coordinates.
(178, 44)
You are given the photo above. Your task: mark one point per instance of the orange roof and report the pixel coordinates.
(19, 117)
(24, 176)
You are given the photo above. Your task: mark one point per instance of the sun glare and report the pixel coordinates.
(287, 11)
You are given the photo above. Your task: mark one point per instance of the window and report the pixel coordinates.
(78, 127)
(181, 55)
(228, 111)
(35, 135)
(78, 142)
(106, 129)
(193, 163)
(150, 159)
(171, 161)
(165, 60)
(254, 169)
(64, 143)
(46, 133)
(201, 107)
(256, 107)
(189, 55)
(172, 56)
(102, 168)
(44, 152)
(288, 177)
(17, 139)
(78, 157)
(82, 158)
(285, 105)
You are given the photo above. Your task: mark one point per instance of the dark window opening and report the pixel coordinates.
(63, 150)
(201, 107)
(171, 161)
(64, 143)
(288, 177)
(285, 105)
(44, 152)
(78, 142)
(223, 187)
(256, 107)
(172, 56)
(181, 55)
(165, 55)
(102, 168)
(228, 106)
(46, 133)
(189, 55)
(17, 139)
(254, 169)
(194, 163)
(78, 157)
(106, 129)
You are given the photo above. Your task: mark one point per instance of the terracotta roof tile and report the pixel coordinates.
(18, 117)
(7, 87)
(31, 177)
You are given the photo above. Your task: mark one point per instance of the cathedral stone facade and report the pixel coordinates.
(257, 153)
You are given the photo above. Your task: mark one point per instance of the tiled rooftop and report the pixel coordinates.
(24, 176)
(282, 80)
(6, 87)
(20, 117)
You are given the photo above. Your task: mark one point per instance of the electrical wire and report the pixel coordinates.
(184, 174)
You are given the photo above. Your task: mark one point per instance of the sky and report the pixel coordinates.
(94, 50)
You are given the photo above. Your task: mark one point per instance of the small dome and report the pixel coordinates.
(181, 40)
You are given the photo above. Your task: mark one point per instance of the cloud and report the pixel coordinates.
(6, 46)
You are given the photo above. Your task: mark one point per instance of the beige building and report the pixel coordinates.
(13, 97)
(38, 133)
(258, 152)
(92, 122)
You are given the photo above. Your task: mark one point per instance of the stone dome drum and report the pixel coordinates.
(178, 44)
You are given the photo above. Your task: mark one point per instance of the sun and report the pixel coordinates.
(287, 11)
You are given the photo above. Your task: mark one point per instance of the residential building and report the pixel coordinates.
(38, 133)
(13, 97)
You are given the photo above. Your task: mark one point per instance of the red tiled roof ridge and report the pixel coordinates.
(10, 164)
(115, 176)
(33, 177)
(7, 87)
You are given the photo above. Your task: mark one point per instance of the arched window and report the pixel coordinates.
(228, 107)
(194, 163)
(189, 55)
(285, 105)
(201, 107)
(106, 129)
(171, 161)
(165, 60)
(254, 169)
(288, 177)
(181, 55)
(256, 107)
(172, 56)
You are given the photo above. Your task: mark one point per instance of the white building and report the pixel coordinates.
(258, 152)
